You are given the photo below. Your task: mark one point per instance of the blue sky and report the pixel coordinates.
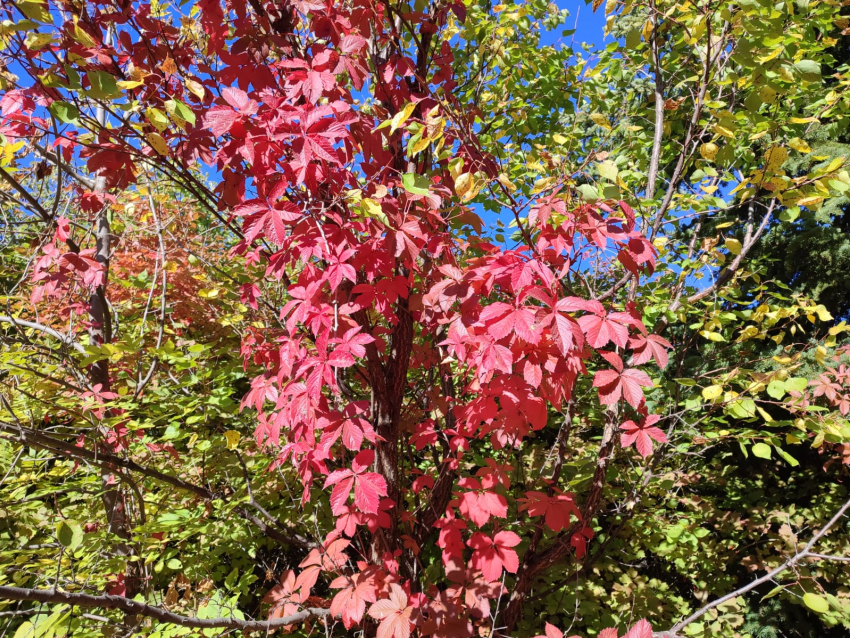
(588, 25)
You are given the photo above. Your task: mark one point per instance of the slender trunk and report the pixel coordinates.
(100, 332)
(536, 563)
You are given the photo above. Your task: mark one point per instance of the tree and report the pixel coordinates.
(425, 420)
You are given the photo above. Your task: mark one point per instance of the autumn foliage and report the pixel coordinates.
(399, 361)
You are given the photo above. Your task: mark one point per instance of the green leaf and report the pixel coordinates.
(776, 389)
(742, 408)
(180, 113)
(761, 450)
(789, 214)
(787, 457)
(773, 592)
(816, 603)
(70, 534)
(174, 563)
(65, 112)
(588, 193)
(796, 384)
(809, 69)
(416, 184)
(103, 85)
(608, 170)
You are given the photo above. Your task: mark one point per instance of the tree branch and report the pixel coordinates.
(791, 562)
(65, 339)
(111, 461)
(133, 607)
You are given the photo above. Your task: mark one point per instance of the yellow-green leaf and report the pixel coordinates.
(761, 450)
(157, 118)
(608, 170)
(799, 145)
(733, 246)
(35, 11)
(35, 41)
(401, 117)
(712, 392)
(816, 603)
(601, 120)
(708, 151)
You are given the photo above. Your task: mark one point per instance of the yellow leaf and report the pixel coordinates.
(157, 118)
(834, 164)
(808, 201)
(196, 88)
(820, 355)
(836, 330)
(81, 36)
(803, 120)
(610, 6)
(646, 31)
(35, 41)
(708, 151)
(232, 437)
(601, 120)
(823, 313)
(559, 139)
(733, 246)
(774, 158)
(157, 143)
(507, 183)
(725, 132)
(712, 392)
(799, 145)
(419, 146)
(764, 415)
(463, 184)
(771, 55)
(401, 117)
(128, 84)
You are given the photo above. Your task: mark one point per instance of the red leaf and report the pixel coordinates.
(220, 119)
(641, 629)
(492, 555)
(627, 384)
(642, 433)
(393, 613)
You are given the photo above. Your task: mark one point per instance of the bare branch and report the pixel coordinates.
(133, 607)
(65, 339)
(53, 158)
